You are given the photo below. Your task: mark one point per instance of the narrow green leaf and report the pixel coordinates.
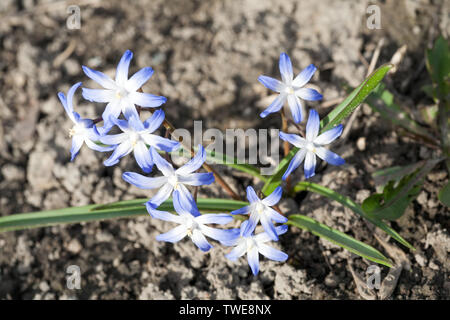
(392, 203)
(341, 239)
(313, 187)
(121, 209)
(444, 195)
(358, 95)
(335, 117)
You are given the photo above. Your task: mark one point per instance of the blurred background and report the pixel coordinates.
(207, 56)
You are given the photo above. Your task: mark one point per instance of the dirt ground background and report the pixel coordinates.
(207, 56)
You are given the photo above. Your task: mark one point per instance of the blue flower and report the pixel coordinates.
(290, 89)
(121, 94)
(84, 130)
(172, 179)
(135, 137)
(312, 146)
(192, 224)
(253, 245)
(260, 210)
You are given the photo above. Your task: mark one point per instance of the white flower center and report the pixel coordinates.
(191, 225)
(289, 90)
(251, 243)
(260, 207)
(173, 180)
(121, 93)
(134, 138)
(310, 146)
(76, 130)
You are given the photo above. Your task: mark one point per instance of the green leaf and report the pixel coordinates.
(438, 65)
(121, 209)
(396, 173)
(355, 98)
(335, 117)
(444, 195)
(392, 203)
(339, 238)
(313, 187)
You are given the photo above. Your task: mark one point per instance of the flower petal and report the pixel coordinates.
(122, 68)
(264, 237)
(146, 100)
(237, 252)
(113, 139)
(272, 253)
(225, 236)
(200, 241)
(98, 95)
(253, 260)
(163, 166)
(99, 77)
(160, 143)
(329, 156)
(174, 235)
(286, 68)
(195, 163)
(275, 216)
(143, 182)
(310, 165)
(251, 225)
(138, 79)
(269, 228)
(294, 139)
(275, 106)
(243, 210)
(92, 145)
(251, 194)
(295, 162)
(273, 198)
(154, 122)
(308, 94)
(142, 156)
(187, 199)
(313, 125)
(329, 136)
(112, 111)
(184, 205)
(121, 150)
(303, 77)
(271, 83)
(162, 195)
(77, 143)
(216, 218)
(197, 179)
(296, 107)
(164, 215)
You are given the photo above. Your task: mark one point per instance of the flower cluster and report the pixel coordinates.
(312, 144)
(124, 101)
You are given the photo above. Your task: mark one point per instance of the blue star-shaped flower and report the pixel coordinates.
(313, 145)
(172, 179)
(121, 94)
(192, 224)
(84, 130)
(290, 89)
